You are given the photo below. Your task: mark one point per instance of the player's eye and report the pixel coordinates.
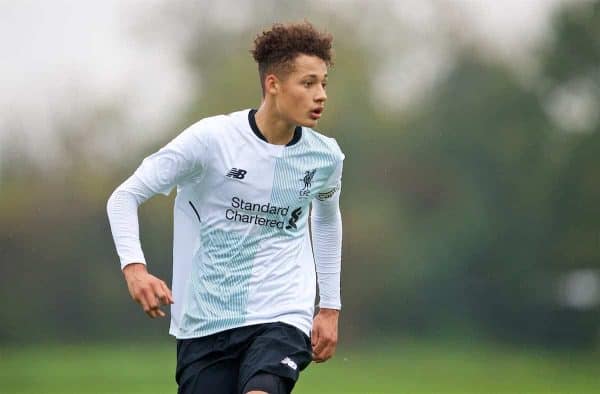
(324, 84)
(308, 84)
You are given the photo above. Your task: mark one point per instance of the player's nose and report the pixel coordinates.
(321, 95)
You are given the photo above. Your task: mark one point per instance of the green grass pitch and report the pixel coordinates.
(398, 367)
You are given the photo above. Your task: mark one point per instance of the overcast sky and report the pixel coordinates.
(74, 53)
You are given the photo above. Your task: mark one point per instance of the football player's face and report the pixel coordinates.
(300, 95)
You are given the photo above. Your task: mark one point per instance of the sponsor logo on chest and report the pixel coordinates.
(267, 214)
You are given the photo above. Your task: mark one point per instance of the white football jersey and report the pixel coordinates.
(241, 251)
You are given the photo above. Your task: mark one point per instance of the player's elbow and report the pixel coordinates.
(115, 202)
(110, 203)
(112, 199)
(324, 212)
(331, 217)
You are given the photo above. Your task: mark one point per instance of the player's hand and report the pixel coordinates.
(147, 290)
(324, 334)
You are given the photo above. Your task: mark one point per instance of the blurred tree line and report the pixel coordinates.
(461, 216)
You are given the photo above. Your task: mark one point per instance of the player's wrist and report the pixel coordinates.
(133, 269)
(329, 312)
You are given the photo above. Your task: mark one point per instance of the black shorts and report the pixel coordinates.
(222, 363)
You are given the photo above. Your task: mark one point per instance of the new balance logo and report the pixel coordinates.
(290, 363)
(295, 216)
(236, 173)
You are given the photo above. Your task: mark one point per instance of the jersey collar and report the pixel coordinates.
(259, 134)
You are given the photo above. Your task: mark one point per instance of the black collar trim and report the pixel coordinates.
(259, 134)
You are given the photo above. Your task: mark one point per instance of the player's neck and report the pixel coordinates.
(276, 130)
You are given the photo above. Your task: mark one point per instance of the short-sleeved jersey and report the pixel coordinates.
(241, 251)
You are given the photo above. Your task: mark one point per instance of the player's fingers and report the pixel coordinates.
(318, 358)
(153, 297)
(325, 348)
(314, 337)
(155, 312)
(156, 297)
(149, 302)
(318, 348)
(160, 294)
(142, 301)
(323, 356)
(167, 293)
(329, 351)
(150, 312)
(140, 298)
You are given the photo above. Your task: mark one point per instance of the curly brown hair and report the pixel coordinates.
(275, 49)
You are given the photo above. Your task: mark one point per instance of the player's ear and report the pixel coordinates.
(271, 84)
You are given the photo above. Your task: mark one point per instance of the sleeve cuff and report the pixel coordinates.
(330, 305)
(125, 263)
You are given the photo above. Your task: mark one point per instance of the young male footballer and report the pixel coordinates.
(244, 277)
